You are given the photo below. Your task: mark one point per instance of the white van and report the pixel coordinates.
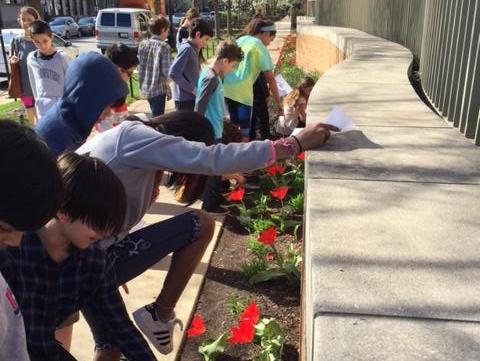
(125, 25)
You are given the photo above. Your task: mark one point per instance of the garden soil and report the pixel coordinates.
(278, 299)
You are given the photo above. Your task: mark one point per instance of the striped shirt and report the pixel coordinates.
(154, 63)
(49, 292)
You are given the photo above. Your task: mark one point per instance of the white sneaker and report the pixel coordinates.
(158, 332)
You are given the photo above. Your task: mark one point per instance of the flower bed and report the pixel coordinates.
(256, 273)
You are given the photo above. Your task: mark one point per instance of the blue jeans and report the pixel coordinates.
(157, 104)
(240, 115)
(135, 254)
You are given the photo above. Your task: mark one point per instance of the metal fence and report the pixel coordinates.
(444, 37)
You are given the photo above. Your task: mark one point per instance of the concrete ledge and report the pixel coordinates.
(391, 234)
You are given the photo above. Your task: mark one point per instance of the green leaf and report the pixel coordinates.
(211, 349)
(266, 275)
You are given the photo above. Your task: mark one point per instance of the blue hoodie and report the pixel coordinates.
(92, 83)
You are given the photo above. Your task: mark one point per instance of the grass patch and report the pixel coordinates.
(10, 110)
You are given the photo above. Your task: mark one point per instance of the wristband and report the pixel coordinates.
(290, 145)
(298, 142)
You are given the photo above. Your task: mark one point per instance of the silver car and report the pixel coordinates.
(65, 27)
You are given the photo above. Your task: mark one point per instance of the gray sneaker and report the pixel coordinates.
(159, 333)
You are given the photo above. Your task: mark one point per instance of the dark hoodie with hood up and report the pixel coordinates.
(92, 83)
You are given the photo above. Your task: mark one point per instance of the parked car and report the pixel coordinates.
(207, 16)
(65, 27)
(126, 25)
(87, 25)
(66, 46)
(176, 18)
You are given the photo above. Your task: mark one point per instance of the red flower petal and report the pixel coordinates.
(279, 193)
(197, 327)
(301, 156)
(244, 333)
(268, 237)
(250, 314)
(275, 169)
(236, 195)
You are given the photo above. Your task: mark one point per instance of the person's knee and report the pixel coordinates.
(207, 226)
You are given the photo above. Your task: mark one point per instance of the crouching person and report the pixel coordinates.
(58, 269)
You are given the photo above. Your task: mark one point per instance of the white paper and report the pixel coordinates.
(283, 87)
(339, 119)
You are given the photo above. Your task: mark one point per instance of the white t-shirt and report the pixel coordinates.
(13, 344)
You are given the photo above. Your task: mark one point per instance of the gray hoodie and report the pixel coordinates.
(135, 152)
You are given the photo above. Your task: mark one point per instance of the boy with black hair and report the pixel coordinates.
(185, 68)
(124, 57)
(30, 188)
(154, 56)
(58, 269)
(210, 103)
(46, 68)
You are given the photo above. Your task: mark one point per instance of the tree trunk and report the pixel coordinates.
(239, 5)
(229, 18)
(71, 7)
(217, 19)
(156, 7)
(78, 4)
(196, 4)
(86, 10)
(293, 18)
(37, 5)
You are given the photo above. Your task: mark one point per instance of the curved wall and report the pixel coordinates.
(443, 35)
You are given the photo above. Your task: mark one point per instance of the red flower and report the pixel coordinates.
(270, 257)
(279, 193)
(268, 237)
(197, 327)
(250, 314)
(301, 156)
(236, 195)
(275, 169)
(244, 333)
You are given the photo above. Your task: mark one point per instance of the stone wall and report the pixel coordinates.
(315, 53)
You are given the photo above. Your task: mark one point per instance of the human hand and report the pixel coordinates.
(236, 177)
(314, 136)
(14, 59)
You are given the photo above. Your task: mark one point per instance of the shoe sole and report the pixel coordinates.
(142, 326)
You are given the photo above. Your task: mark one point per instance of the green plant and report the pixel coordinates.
(250, 269)
(271, 340)
(269, 263)
(235, 305)
(296, 202)
(265, 332)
